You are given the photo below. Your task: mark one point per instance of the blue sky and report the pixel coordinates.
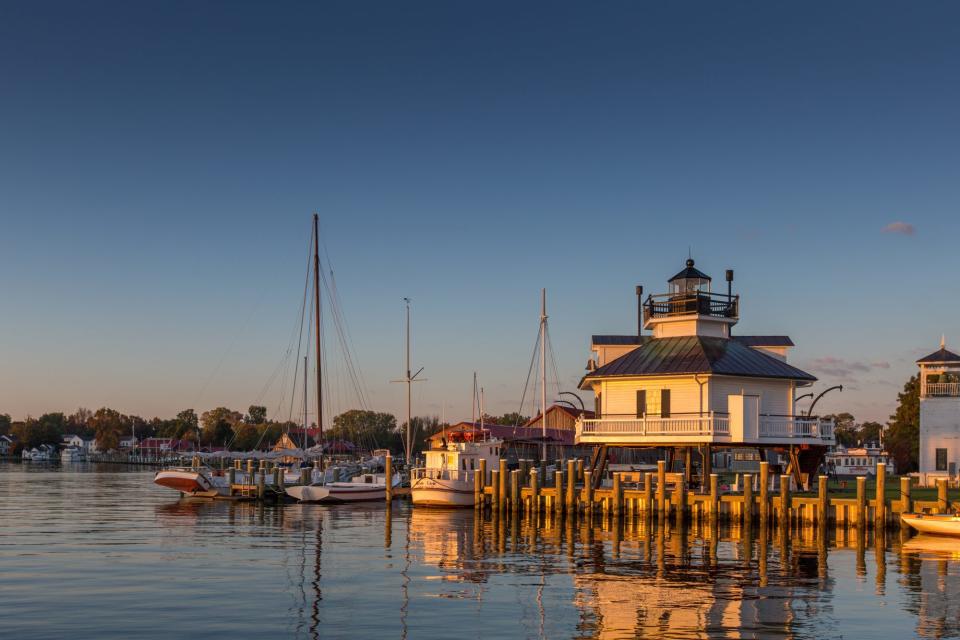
(159, 163)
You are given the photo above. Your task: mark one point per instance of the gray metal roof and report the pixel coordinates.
(943, 355)
(698, 354)
(750, 341)
(690, 272)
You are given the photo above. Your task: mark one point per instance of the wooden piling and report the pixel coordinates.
(305, 475)
(495, 489)
(281, 480)
(764, 490)
(580, 469)
(534, 491)
(558, 492)
(617, 494)
(504, 479)
(714, 496)
(261, 484)
(275, 476)
(681, 504)
(388, 476)
(880, 511)
(784, 502)
(861, 501)
(647, 493)
(232, 476)
(571, 486)
(906, 504)
(661, 487)
(515, 490)
(484, 478)
(823, 505)
(943, 505)
(747, 499)
(587, 491)
(478, 489)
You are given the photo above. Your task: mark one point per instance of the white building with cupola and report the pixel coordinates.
(686, 380)
(939, 415)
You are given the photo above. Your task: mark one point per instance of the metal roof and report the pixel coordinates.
(691, 273)
(698, 354)
(942, 355)
(750, 341)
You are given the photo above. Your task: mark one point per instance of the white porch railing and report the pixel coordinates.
(771, 427)
(942, 389)
(793, 427)
(708, 425)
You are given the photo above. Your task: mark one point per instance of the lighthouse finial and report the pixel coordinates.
(943, 341)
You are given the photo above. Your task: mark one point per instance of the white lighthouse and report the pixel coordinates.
(939, 415)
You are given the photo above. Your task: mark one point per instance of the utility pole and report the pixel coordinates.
(409, 379)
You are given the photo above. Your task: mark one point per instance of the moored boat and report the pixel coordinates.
(941, 524)
(366, 487)
(446, 479)
(189, 482)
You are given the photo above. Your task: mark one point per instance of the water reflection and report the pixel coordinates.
(248, 570)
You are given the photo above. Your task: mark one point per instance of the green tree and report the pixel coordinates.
(218, 425)
(422, 427)
(108, 428)
(845, 429)
(256, 414)
(5, 424)
(186, 425)
(366, 429)
(511, 419)
(903, 429)
(869, 432)
(246, 437)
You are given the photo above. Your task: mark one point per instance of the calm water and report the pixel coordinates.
(99, 552)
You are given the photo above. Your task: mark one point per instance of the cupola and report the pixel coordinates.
(690, 307)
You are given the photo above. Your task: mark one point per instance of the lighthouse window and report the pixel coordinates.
(941, 459)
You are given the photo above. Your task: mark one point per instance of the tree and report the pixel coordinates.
(422, 427)
(869, 432)
(256, 414)
(845, 428)
(218, 425)
(108, 428)
(903, 429)
(186, 425)
(5, 424)
(246, 437)
(78, 422)
(511, 419)
(366, 429)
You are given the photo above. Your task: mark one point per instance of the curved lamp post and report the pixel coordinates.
(815, 400)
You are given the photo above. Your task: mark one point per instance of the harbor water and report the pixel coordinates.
(98, 551)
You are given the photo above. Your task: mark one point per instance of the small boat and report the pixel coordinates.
(189, 482)
(941, 524)
(363, 488)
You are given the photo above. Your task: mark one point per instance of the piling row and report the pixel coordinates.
(570, 490)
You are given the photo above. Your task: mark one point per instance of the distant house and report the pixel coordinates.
(559, 417)
(154, 446)
(6, 445)
(72, 440)
(128, 443)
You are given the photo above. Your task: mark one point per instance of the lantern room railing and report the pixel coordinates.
(717, 305)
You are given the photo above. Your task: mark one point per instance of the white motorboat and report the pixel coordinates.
(192, 482)
(73, 454)
(446, 479)
(362, 488)
(941, 524)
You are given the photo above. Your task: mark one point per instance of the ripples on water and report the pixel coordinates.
(91, 551)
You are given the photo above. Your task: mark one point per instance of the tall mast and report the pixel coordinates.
(473, 413)
(543, 374)
(316, 314)
(409, 444)
(305, 399)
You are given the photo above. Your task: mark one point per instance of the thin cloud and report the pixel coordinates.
(844, 369)
(903, 228)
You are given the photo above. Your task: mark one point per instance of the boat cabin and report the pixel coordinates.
(463, 450)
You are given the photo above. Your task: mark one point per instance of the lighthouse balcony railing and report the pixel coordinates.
(941, 390)
(666, 305)
(707, 427)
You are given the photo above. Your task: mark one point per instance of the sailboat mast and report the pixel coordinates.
(409, 443)
(305, 400)
(316, 314)
(543, 374)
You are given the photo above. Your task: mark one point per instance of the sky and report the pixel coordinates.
(160, 162)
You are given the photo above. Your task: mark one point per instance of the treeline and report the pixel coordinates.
(224, 427)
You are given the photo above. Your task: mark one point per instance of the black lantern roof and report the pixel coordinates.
(690, 273)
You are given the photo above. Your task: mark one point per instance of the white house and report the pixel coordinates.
(6, 445)
(939, 415)
(73, 440)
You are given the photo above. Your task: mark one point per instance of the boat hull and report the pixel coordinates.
(944, 524)
(428, 492)
(190, 483)
(337, 493)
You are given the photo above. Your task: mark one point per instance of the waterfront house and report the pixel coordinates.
(6, 445)
(939, 415)
(693, 384)
(858, 461)
(559, 417)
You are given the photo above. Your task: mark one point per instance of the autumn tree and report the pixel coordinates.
(256, 414)
(5, 424)
(108, 428)
(367, 429)
(903, 429)
(218, 425)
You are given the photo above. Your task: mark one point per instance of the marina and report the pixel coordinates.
(253, 570)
